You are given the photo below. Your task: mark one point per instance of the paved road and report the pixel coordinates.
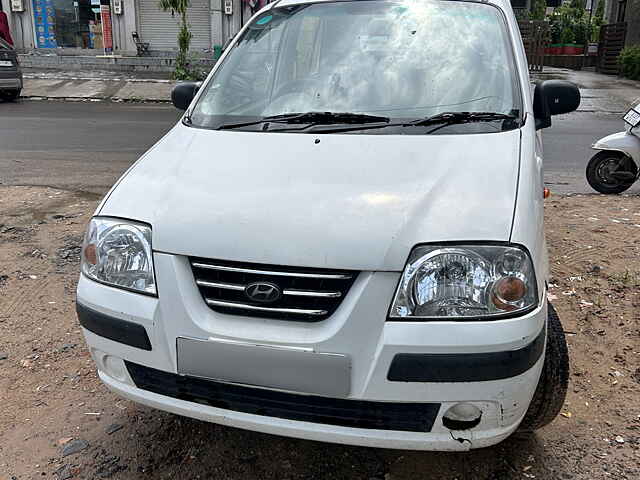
(76, 145)
(87, 145)
(567, 149)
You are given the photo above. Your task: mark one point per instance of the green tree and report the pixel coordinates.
(180, 7)
(577, 4)
(599, 13)
(629, 61)
(597, 20)
(538, 9)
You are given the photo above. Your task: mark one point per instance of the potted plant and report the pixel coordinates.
(555, 48)
(572, 27)
(567, 39)
(581, 30)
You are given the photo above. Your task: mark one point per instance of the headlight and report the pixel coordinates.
(118, 253)
(465, 282)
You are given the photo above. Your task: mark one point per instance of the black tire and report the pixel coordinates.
(597, 172)
(551, 391)
(9, 95)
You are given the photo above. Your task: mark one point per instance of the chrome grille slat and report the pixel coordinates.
(246, 306)
(271, 272)
(227, 286)
(311, 293)
(298, 293)
(306, 294)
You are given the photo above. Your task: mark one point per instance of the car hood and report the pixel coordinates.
(334, 201)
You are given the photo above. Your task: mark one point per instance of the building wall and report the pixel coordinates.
(123, 25)
(609, 10)
(21, 25)
(521, 4)
(633, 22)
(632, 17)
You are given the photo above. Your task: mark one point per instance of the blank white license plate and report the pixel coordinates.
(327, 374)
(632, 118)
(6, 63)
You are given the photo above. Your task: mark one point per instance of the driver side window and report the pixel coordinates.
(246, 81)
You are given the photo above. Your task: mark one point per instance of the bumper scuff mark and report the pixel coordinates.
(462, 440)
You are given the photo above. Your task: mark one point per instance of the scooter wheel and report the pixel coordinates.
(602, 167)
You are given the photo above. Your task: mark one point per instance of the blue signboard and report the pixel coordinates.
(45, 23)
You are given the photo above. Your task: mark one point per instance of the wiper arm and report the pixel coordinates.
(327, 118)
(441, 119)
(451, 118)
(362, 121)
(314, 118)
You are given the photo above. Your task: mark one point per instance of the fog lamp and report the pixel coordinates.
(462, 416)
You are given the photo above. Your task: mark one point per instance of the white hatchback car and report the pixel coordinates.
(342, 239)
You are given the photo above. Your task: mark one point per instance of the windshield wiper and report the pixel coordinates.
(451, 118)
(312, 118)
(441, 119)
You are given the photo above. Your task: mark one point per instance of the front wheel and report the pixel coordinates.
(551, 391)
(611, 172)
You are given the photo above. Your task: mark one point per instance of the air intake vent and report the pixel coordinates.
(408, 417)
(269, 291)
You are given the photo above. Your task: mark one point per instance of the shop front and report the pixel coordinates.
(96, 27)
(81, 24)
(160, 29)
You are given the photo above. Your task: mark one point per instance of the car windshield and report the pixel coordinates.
(396, 59)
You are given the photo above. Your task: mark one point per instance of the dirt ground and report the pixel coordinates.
(51, 399)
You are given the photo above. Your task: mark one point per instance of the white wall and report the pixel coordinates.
(215, 9)
(21, 24)
(123, 25)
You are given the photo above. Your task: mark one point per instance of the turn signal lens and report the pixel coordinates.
(510, 289)
(508, 292)
(90, 255)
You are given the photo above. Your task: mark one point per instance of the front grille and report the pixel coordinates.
(305, 294)
(409, 417)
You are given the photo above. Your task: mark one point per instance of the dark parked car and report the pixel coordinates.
(10, 74)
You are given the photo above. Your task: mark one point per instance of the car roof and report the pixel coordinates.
(503, 4)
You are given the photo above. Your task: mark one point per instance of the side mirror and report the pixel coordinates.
(183, 93)
(553, 97)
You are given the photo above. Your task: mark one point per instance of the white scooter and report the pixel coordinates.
(615, 167)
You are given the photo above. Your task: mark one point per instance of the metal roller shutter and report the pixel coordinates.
(160, 29)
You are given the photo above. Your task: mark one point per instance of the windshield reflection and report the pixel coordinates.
(407, 59)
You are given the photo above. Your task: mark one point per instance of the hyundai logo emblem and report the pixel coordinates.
(263, 292)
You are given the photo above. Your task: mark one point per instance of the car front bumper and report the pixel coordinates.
(434, 441)
(10, 81)
(356, 345)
